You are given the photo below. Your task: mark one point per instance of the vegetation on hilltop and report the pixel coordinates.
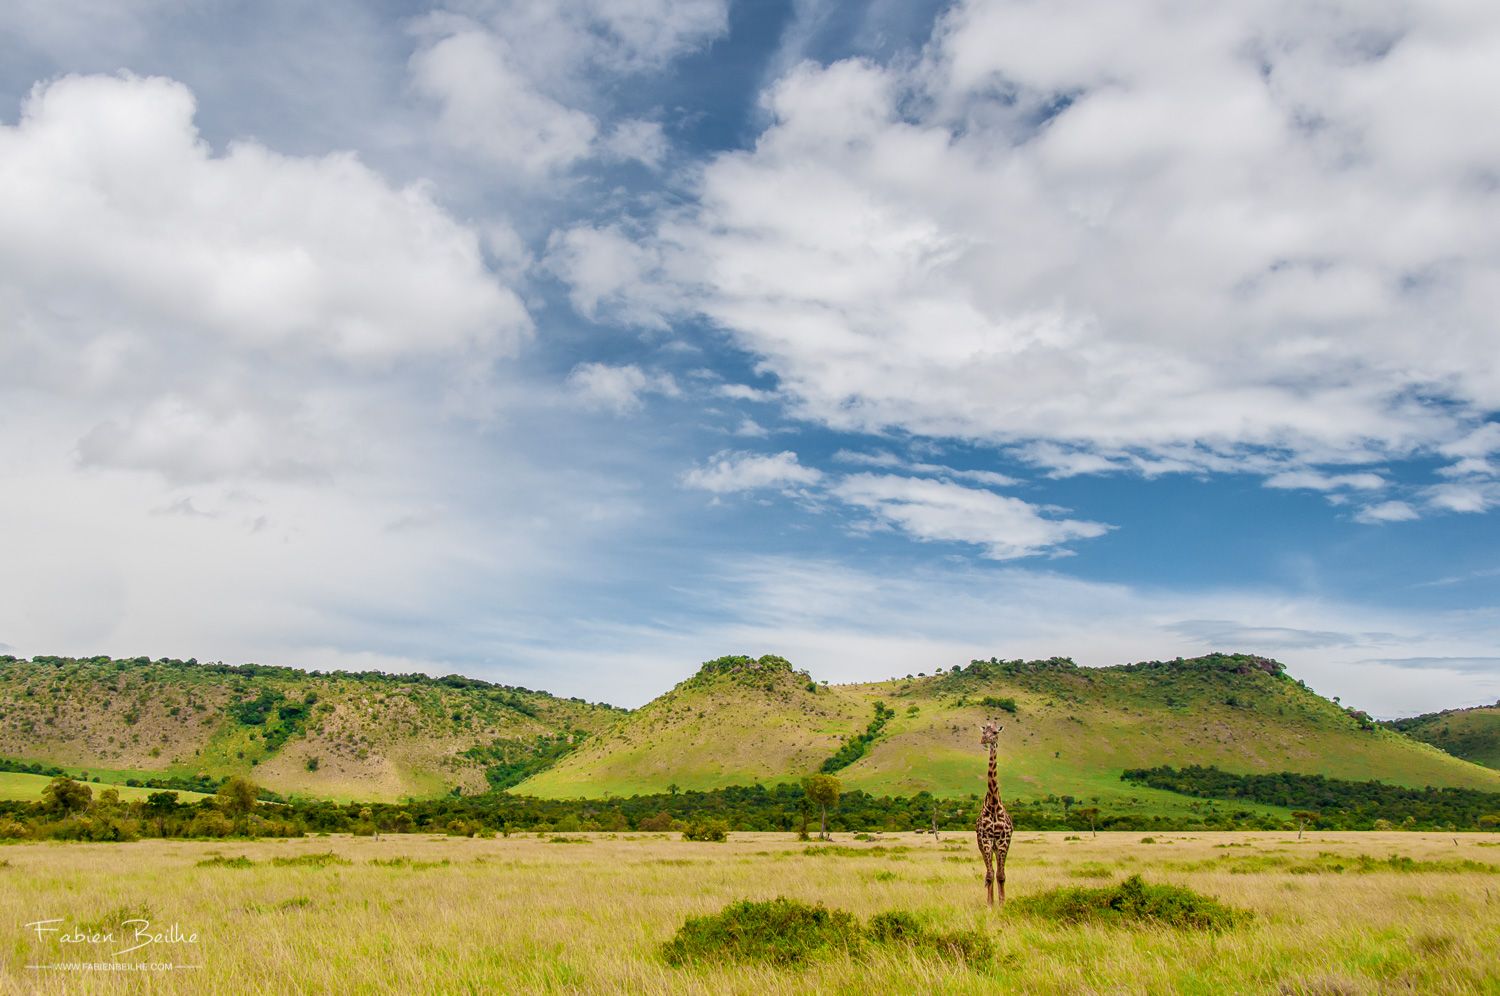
(1472, 734)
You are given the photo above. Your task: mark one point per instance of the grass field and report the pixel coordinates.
(430, 914)
(14, 785)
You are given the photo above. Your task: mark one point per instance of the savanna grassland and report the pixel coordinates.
(1331, 913)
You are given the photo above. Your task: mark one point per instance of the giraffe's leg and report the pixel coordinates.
(989, 875)
(1000, 873)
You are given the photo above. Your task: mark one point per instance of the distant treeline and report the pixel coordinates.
(85, 811)
(1339, 804)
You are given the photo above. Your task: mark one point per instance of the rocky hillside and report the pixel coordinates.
(362, 736)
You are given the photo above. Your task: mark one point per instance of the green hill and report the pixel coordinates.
(1472, 734)
(1072, 731)
(1068, 731)
(353, 736)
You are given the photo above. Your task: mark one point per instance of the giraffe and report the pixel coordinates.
(995, 826)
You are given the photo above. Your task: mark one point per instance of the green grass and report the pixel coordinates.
(1472, 734)
(29, 788)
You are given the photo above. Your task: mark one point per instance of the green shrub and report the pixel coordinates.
(900, 927)
(1133, 902)
(706, 829)
(321, 859)
(1007, 704)
(781, 932)
(219, 861)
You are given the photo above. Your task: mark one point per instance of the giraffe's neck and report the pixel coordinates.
(994, 787)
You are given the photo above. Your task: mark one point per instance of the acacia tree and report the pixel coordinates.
(823, 792)
(160, 805)
(1303, 818)
(66, 796)
(1090, 813)
(237, 795)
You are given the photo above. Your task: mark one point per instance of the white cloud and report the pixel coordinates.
(489, 107)
(744, 392)
(638, 140)
(1467, 497)
(620, 389)
(1143, 238)
(988, 478)
(610, 274)
(1386, 511)
(120, 223)
(223, 366)
(732, 471)
(522, 82)
(1312, 480)
(1005, 527)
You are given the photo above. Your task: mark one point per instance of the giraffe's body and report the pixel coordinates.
(995, 826)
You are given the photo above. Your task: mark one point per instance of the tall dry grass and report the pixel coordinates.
(531, 915)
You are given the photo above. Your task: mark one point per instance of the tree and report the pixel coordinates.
(1090, 813)
(64, 795)
(237, 795)
(160, 805)
(823, 791)
(1303, 818)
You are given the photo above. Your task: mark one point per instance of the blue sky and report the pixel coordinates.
(571, 345)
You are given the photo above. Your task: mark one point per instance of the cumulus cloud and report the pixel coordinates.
(1144, 238)
(1387, 511)
(488, 106)
(223, 365)
(620, 389)
(1006, 527)
(113, 204)
(610, 274)
(519, 82)
(733, 471)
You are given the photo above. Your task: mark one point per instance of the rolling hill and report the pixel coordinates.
(345, 736)
(1068, 730)
(1472, 734)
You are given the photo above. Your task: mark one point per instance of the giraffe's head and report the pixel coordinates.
(989, 733)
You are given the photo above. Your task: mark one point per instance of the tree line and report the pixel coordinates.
(1334, 803)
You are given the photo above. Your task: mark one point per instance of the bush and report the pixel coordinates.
(1134, 902)
(899, 927)
(706, 829)
(210, 824)
(1006, 704)
(321, 859)
(659, 823)
(781, 932)
(219, 861)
